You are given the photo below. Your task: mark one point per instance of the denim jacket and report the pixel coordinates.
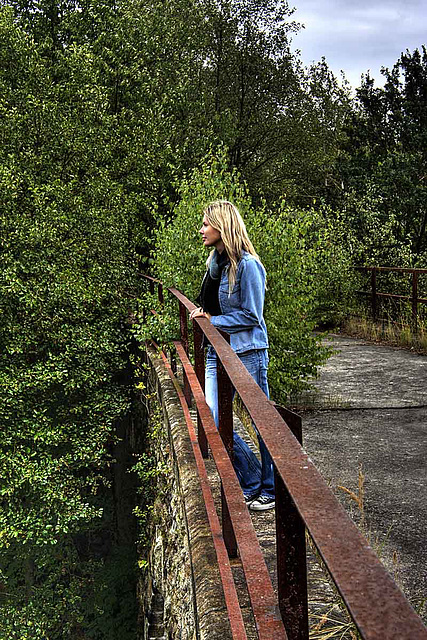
(242, 310)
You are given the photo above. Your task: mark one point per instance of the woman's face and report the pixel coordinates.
(211, 237)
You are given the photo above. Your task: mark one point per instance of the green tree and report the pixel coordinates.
(280, 123)
(385, 162)
(68, 272)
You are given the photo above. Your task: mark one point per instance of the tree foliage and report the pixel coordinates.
(280, 123)
(67, 271)
(384, 165)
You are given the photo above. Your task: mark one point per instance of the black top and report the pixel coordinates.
(208, 297)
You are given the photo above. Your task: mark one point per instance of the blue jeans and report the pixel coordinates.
(254, 478)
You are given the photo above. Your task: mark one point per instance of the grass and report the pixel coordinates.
(390, 559)
(358, 496)
(244, 417)
(398, 333)
(329, 627)
(333, 621)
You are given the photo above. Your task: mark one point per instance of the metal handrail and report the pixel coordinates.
(375, 294)
(378, 608)
(397, 269)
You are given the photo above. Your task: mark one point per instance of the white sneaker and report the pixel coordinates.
(262, 503)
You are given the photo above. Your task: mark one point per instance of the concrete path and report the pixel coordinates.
(370, 413)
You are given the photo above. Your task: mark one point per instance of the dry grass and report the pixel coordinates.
(399, 334)
(333, 621)
(358, 496)
(358, 499)
(329, 627)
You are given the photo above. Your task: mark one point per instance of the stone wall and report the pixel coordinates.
(181, 578)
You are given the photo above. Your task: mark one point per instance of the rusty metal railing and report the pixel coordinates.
(303, 501)
(376, 295)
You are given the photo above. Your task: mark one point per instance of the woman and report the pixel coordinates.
(232, 298)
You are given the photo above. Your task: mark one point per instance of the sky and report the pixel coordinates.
(359, 35)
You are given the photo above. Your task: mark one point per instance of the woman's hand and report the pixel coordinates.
(199, 313)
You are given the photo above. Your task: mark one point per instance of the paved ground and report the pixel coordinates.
(370, 412)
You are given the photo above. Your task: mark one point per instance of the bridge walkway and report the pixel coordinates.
(367, 424)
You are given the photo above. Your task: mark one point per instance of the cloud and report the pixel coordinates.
(357, 37)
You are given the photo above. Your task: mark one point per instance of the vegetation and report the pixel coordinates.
(67, 271)
(106, 108)
(383, 165)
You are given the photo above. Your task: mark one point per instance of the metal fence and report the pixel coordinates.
(303, 501)
(376, 295)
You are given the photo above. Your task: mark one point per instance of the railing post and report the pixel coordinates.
(227, 528)
(173, 361)
(291, 550)
(199, 368)
(183, 328)
(292, 419)
(160, 293)
(415, 300)
(225, 408)
(225, 427)
(374, 293)
(161, 300)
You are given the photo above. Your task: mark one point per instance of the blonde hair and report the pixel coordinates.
(225, 217)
